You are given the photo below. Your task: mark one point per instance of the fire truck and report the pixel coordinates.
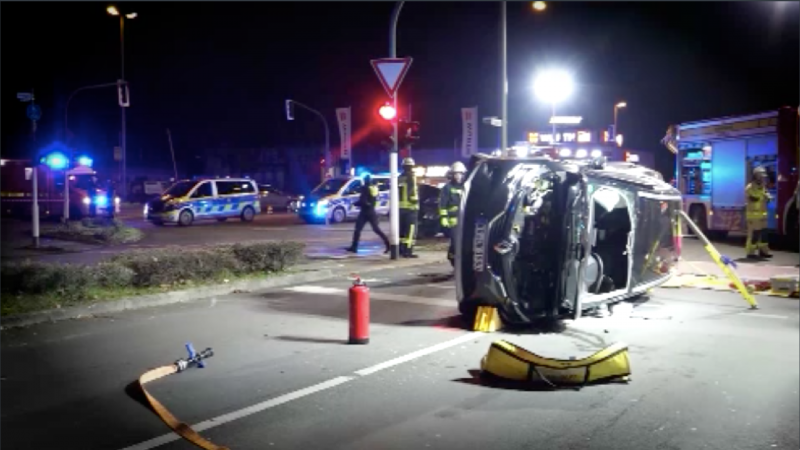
(16, 191)
(715, 161)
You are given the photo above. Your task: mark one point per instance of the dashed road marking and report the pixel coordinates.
(763, 316)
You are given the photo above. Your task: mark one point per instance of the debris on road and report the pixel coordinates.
(511, 362)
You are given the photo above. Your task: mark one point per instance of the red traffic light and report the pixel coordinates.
(387, 112)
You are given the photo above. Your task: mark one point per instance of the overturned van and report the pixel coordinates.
(541, 238)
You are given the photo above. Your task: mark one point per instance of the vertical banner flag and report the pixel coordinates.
(343, 116)
(469, 135)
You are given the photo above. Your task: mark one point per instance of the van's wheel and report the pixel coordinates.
(338, 215)
(185, 218)
(248, 214)
(222, 219)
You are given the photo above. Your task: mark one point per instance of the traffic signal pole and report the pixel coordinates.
(394, 195)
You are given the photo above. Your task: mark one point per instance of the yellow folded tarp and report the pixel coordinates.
(508, 361)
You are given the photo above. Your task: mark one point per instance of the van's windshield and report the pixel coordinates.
(180, 189)
(330, 187)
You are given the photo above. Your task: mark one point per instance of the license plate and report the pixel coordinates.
(479, 245)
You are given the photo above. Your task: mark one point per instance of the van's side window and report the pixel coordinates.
(203, 191)
(232, 187)
(353, 188)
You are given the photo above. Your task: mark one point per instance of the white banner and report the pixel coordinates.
(343, 116)
(469, 135)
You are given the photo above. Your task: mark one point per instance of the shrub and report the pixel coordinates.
(166, 267)
(94, 230)
(60, 284)
(67, 281)
(268, 256)
(112, 275)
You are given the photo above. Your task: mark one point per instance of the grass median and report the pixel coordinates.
(36, 286)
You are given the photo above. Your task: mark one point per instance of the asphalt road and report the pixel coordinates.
(321, 239)
(707, 374)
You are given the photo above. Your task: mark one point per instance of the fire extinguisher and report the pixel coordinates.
(359, 313)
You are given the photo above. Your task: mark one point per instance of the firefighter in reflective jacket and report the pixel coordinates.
(756, 215)
(409, 208)
(450, 203)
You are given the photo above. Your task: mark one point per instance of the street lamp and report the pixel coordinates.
(617, 107)
(539, 6)
(113, 11)
(553, 86)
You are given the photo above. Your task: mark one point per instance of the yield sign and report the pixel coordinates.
(391, 72)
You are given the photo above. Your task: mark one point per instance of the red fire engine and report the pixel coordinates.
(715, 161)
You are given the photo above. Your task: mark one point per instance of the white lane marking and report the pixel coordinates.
(373, 295)
(417, 354)
(440, 286)
(296, 395)
(763, 316)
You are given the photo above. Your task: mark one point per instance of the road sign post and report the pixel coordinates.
(391, 72)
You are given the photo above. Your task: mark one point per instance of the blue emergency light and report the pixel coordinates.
(85, 161)
(55, 161)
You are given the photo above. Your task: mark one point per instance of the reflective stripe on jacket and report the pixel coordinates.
(409, 192)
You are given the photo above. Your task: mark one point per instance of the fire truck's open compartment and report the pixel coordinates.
(608, 265)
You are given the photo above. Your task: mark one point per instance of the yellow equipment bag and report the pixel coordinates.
(508, 361)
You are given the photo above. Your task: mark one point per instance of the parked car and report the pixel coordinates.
(429, 225)
(277, 199)
(210, 199)
(541, 238)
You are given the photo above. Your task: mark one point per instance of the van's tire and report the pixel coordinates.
(338, 215)
(248, 214)
(185, 218)
(222, 219)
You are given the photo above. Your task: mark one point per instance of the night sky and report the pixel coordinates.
(218, 73)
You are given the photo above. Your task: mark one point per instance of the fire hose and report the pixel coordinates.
(182, 429)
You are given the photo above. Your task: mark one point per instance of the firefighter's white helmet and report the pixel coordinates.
(408, 162)
(760, 171)
(458, 167)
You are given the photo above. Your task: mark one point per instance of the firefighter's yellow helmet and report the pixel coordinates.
(458, 167)
(408, 162)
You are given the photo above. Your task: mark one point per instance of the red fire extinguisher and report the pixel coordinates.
(359, 313)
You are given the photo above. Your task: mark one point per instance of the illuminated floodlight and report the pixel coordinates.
(581, 153)
(596, 153)
(565, 153)
(553, 86)
(112, 10)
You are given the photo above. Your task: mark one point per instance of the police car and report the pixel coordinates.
(208, 199)
(334, 200)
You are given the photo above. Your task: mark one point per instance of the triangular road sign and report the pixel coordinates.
(391, 72)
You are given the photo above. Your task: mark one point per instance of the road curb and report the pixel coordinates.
(195, 294)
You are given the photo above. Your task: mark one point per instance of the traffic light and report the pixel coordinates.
(407, 133)
(387, 112)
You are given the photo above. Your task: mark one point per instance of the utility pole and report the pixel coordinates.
(503, 80)
(172, 151)
(394, 195)
(35, 177)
